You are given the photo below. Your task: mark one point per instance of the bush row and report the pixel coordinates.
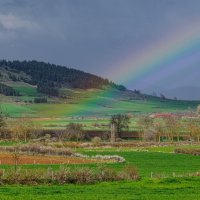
(67, 175)
(37, 149)
(195, 152)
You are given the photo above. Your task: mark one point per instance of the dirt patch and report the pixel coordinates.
(6, 158)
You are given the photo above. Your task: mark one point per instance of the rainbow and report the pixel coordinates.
(168, 56)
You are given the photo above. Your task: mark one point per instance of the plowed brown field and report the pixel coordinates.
(6, 158)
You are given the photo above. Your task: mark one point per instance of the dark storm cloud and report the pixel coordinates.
(88, 34)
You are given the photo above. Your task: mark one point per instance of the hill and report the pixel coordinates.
(38, 89)
(49, 78)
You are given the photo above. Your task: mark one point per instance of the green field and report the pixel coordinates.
(154, 189)
(93, 108)
(166, 164)
(88, 103)
(163, 167)
(148, 163)
(155, 162)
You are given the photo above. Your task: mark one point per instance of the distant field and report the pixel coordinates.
(94, 108)
(57, 115)
(88, 107)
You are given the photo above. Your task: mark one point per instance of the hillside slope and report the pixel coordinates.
(38, 89)
(50, 78)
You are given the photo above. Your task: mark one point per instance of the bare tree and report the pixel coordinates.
(150, 134)
(159, 127)
(16, 157)
(172, 128)
(193, 129)
(144, 123)
(2, 124)
(2, 120)
(22, 129)
(75, 131)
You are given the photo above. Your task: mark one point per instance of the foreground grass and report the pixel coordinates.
(146, 189)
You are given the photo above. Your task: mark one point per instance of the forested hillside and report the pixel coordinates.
(49, 77)
(8, 91)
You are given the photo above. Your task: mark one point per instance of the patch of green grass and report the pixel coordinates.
(170, 149)
(17, 110)
(156, 162)
(147, 189)
(26, 90)
(7, 143)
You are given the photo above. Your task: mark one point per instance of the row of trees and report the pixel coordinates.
(7, 90)
(169, 128)
(24, 130)
(151, 129)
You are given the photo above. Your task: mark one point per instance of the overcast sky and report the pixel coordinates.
(92, 35)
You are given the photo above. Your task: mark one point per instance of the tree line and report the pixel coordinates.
(49, 77)
(8, 91)
(157, 130)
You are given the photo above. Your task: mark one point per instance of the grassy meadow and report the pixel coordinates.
(154, 189)
(157, 171)
(87, 103)
(93, 109)
(158, 163)
(51, 115)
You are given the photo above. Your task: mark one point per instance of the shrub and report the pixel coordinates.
(195, 152)
(39, 150)
(131, 172)
(75, 131)
(150, 134)
(96, 141)
(82, 175)
(107, 174)
(40, 100)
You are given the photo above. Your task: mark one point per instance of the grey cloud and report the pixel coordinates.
(12, 22)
